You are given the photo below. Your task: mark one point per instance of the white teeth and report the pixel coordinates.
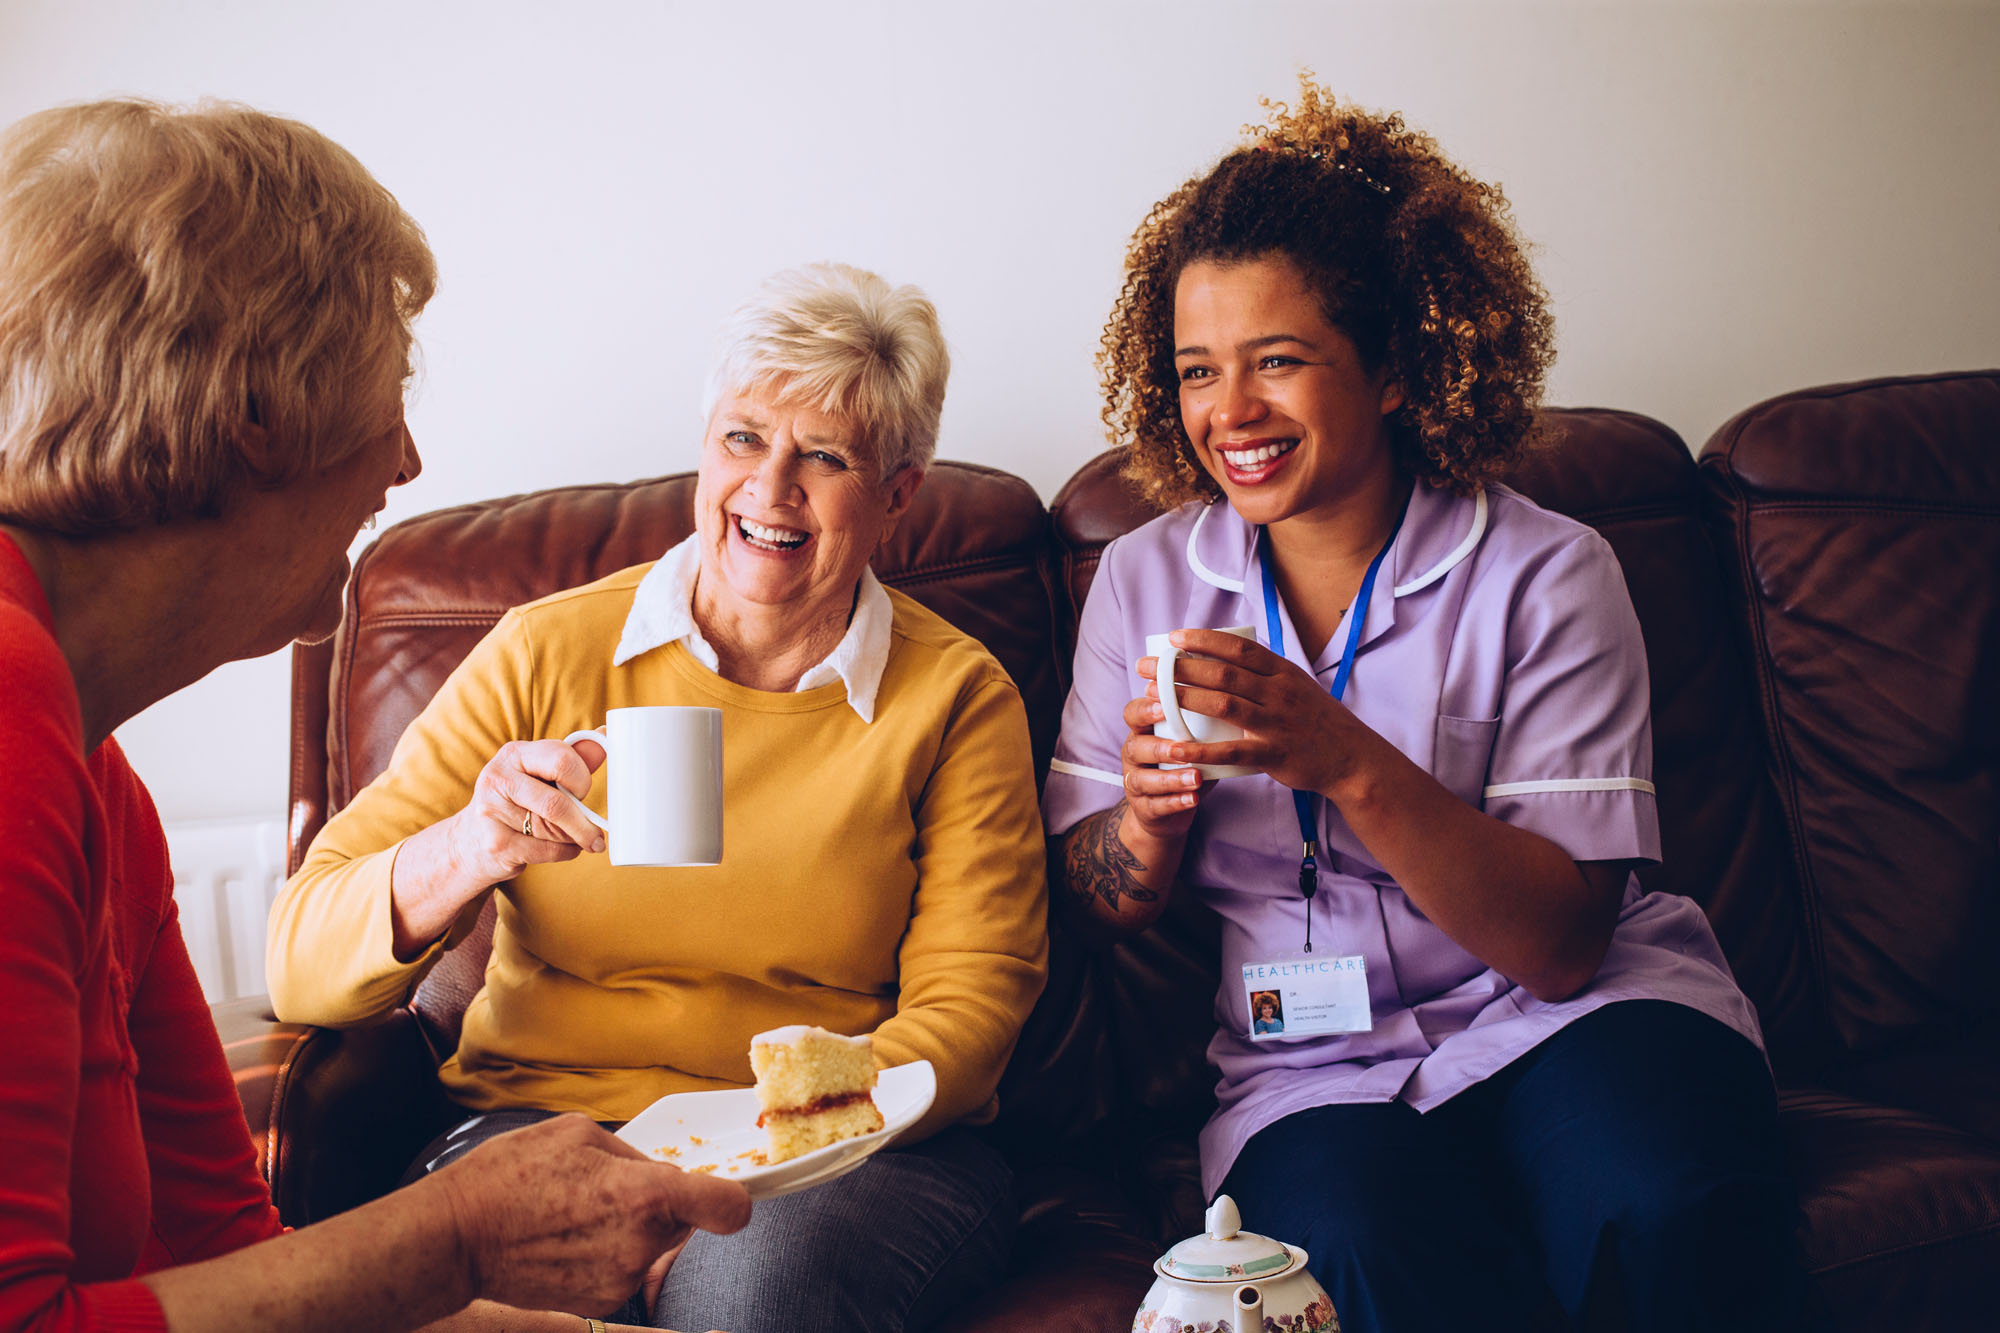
(784, 538)
(1247, 458)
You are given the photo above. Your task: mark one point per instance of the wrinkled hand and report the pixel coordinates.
(531, 781)
(524, 809)
(1293, 728)
(561, 1215)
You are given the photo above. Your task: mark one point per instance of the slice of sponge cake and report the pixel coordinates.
(814, 1088)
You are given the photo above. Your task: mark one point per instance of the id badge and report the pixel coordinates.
(1307, 997)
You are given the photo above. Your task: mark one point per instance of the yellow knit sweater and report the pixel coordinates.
(882, 877)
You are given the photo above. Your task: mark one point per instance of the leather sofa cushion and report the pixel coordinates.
(1862, 525)
(1898, 1212)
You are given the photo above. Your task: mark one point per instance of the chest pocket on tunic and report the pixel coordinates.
(1460, 753)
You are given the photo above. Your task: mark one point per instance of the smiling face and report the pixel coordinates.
(790, 505)
(1275, 400)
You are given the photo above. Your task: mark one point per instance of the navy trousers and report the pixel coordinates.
(1627, 1169)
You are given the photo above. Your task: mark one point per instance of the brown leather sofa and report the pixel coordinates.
(1822, 613)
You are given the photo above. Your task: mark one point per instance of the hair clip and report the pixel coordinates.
(1320, 153)
(1362, 176)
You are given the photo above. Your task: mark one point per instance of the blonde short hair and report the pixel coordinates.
(845, 342)
(169, 275)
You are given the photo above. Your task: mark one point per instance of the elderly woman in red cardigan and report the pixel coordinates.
(204, 335)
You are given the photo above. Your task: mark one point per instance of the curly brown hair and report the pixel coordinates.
(1411, 258)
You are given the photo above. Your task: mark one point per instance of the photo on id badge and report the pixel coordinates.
(1307, 996)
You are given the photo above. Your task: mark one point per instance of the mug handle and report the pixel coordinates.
(588, 735)
(1163, 674)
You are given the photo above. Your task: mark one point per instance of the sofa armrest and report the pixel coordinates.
(257, 1047)
(337, 1115)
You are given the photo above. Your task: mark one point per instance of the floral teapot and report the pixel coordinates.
(1229, 1280)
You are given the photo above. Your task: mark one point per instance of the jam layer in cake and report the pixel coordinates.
(814, 1088)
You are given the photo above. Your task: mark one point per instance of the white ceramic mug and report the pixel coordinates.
(663, 773)
(1186, 724)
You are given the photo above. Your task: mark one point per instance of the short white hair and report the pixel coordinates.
(843, 341)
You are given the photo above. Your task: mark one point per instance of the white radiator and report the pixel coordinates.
(226, 872)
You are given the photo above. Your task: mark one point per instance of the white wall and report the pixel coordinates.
(1729, 201)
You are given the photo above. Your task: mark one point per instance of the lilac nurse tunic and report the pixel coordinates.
(1501, 653)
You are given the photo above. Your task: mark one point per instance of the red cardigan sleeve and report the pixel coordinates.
(208, 1195)
(75, 1128)
(55, 943)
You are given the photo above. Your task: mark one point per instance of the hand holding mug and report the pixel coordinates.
(1189, 723)
(1288, 726)
(1162, 801)
(527, 808)
(1160, 793)
(664, 803)
(521, 811)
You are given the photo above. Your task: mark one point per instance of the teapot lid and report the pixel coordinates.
(1227, 1253)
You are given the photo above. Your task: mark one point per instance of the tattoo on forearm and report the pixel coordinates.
(1099, 867)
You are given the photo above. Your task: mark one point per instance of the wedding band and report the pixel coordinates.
(527, 823)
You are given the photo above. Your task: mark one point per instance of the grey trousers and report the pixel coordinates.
(890, 1247)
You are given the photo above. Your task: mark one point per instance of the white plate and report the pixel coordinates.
(719, 1130)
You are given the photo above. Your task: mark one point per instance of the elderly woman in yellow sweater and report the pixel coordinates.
(883, 871)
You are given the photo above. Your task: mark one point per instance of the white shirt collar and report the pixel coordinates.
(663, 613)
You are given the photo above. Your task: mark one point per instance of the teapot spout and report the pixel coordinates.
(1249, 1310)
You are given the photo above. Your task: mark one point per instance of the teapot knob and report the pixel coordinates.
(1222, 1219)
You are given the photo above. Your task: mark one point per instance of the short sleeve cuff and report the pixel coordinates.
(1591, 819)
(1075, 791)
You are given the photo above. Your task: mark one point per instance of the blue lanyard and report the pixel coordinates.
(1302, 801)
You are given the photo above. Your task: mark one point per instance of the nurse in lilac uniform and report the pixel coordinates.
(1506, 1074)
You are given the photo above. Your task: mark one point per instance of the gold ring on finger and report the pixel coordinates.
(527, 823)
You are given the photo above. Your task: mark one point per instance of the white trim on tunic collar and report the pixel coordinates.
(1465, 547)
(663, 613)
(1202, 571)
(1458, 553)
